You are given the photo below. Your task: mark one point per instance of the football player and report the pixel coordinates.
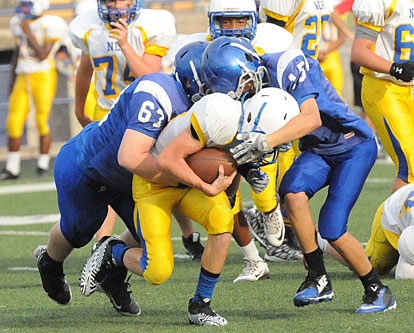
(120, 41)
(204, 125)
(89, 175)
(333, 141)
(33, 80)
(383, 46)
(392, 236)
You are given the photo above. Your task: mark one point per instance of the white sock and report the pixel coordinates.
(13, 162)
(43, 161)
(250, 252)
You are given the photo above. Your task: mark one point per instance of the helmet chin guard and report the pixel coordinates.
(108, 15)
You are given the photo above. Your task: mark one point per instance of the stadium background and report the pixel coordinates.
(191, 16)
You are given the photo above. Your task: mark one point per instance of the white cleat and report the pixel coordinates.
(274, 227)
(254, 271)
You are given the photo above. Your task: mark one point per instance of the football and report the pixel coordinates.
(205, 163)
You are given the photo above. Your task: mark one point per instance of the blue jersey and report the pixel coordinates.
(146, 106)
(302, 77)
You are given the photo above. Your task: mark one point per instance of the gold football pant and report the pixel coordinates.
(153, 209)
(39, 88)
(390, 108)
(382, 247)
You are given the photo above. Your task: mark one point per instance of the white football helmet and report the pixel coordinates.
(32, 8)
(406, 244)
(232, 8)
(267, 111)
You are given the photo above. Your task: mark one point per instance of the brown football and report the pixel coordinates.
(205, 163)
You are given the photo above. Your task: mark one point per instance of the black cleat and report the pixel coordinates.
(116, 288)
(7, 175)
(200, 313)
(54, 284)
(41, 173)
(193, 246)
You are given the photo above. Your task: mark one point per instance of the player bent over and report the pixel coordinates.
(89, 177)
(338, 150)
(211, 122)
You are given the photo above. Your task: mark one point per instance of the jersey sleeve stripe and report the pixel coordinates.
(158, 92)
(85, 38)
(275, 15)
(391, 9)
(369, 26)
(196, 125)
(156, 50)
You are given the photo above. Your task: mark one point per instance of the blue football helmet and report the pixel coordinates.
(30, 9)
(231, 65)
(113, 15)
(187, 68)
(232, 8)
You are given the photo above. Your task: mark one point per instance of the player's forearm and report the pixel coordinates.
(362, 55)
(147, 168)
(136, 64)
(174, 163)
(307, 121)
(42, 51)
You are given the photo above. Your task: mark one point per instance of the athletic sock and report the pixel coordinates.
(51, 266)
(206, 283)
(43, 161)
(250, 252)
(316, 266)
(13, 162)
(370, 278)
(118, 252)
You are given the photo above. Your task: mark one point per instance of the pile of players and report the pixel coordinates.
(247, 91)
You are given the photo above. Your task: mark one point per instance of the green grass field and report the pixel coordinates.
(264, 306)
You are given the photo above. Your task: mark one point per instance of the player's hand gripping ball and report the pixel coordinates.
(205, 163)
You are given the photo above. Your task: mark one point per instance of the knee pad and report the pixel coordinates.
(220, 220)
(158, 270)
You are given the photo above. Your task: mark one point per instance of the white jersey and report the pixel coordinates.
(45, 28)
(215, 118)
(305, 19)
(263, 42)
(394, 20)
(271, 38)
(398, 213)
(151, 33)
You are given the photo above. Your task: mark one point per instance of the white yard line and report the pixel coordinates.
(42, 187)
(29, 219)
(27, 188)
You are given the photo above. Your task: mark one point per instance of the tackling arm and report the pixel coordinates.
(134, 155)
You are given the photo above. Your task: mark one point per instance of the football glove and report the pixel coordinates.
(253, 146)
(403, 71)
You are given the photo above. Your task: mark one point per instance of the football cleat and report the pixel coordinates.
(41, 173)
(377, 299)
(314, 290)
(7, 175)
(193, 247)
(274, 227)
(98, 265)
(54, 283)
(282, 253)
(255, 270)
(255, 220)
(116, 289)
(290, 238)
(200, 313)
